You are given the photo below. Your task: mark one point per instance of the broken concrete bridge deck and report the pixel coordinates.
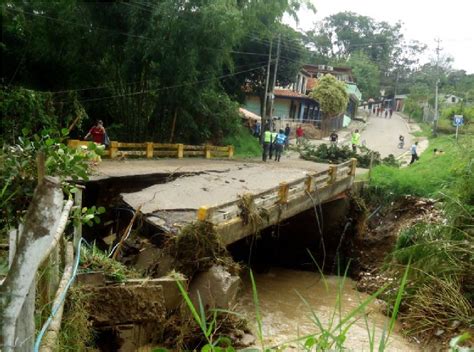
(210, 183)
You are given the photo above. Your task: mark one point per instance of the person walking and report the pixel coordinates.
(355, 140)
(280, 142)
(97, 132)
(299, 135)
(391, 112)
(414, 155)
(386, 113)
(267, 141)
(333, 137)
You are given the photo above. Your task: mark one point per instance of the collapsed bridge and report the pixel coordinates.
(242, 198)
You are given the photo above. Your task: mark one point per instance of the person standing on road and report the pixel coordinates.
(280, 142)
(355, 140)
(97, 132)
(267, 141)
(333, 137)
(299, 135)
(287, 134)
(414, 155)
(391, 112)
(386, 113)
(272, 143)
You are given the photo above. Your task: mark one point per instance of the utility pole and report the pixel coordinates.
(274, 82)
(435, 119)
(264, 115)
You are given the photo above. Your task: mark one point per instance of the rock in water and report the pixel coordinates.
(217, 288)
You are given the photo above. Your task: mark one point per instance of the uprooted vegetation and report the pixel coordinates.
(337, 154)
(195, 249)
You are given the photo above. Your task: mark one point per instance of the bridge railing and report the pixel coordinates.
(171, 150)
(281, 194)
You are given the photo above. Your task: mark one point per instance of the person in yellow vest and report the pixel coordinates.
(272, 144)
(267, 142)
(355, 140)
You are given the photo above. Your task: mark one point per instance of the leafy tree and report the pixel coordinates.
(331, 94)
(151, 70)
(366, 72)
(344, 33)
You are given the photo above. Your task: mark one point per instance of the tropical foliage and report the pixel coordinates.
(331, 94)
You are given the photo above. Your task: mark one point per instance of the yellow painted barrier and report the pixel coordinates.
(150, 149)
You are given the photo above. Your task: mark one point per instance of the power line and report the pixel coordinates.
(169, 87)
(89, 27)
(110, 84)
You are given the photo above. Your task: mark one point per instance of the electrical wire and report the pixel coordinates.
(89, 27)
(169, 87)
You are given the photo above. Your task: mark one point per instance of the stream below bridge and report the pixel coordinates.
(285, 316)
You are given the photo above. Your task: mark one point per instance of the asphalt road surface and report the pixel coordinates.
(381, 134)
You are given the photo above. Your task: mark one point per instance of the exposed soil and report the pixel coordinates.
(120, 304)
(377, 236)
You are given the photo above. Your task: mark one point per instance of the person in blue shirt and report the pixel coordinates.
(414, 155)
(279, 143)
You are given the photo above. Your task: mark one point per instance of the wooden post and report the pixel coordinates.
(231, 151)
(73, 143)
(180, 151)
(113, 150)
(283, 193)
(203, 213)
(207, 151)
(49, 340)
(149, 150)
(77, 223)
(370, 165)
(354, 165)
(332, 173)
(308, 183)
(40, 162)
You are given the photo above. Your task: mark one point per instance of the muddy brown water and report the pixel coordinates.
(285, 316)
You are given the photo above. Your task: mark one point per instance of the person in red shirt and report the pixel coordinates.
(299, 135)
(97, 132)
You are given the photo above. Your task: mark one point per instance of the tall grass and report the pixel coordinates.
(428, 176)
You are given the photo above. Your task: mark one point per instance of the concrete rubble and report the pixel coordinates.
(217, 288)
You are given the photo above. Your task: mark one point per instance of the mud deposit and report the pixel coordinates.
(285, 316)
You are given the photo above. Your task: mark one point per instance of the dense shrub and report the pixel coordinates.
(23, 108)
(338, 154)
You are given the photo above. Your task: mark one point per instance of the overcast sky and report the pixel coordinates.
(424, 20)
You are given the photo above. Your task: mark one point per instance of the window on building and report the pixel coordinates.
(453, 99)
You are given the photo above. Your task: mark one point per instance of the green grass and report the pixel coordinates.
(245, 145)
(429, 175)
